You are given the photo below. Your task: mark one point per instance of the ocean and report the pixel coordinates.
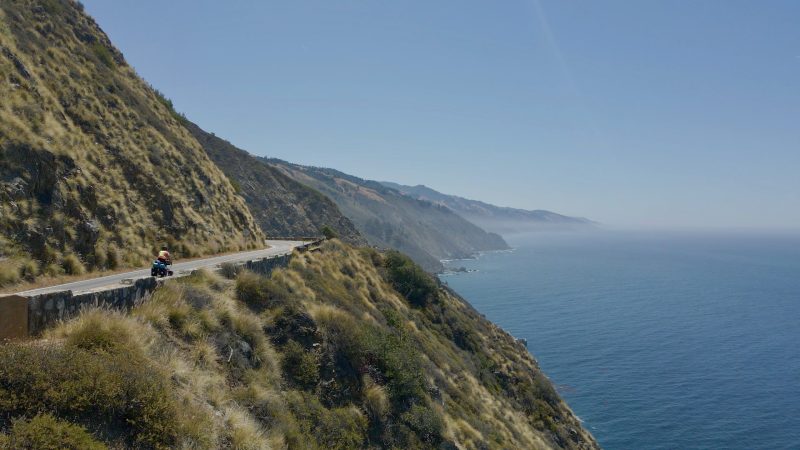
(670, 340)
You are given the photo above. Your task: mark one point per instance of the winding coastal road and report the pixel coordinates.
(276, 248)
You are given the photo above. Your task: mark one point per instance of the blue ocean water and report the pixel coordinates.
(657, 340)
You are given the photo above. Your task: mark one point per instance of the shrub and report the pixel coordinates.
(328, 232)
(337, 428)
(410, 280)
(236, 185)
(95, 338)
(45, 432)
(425, 422)
(393, 355)
(120, 392)
(254, 290)
(29, 270)
(103, 54)
(229, 270)
(72, 265)
(301, 366)
(53, 7)
(399, 360)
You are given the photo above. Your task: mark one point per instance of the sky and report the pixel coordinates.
(632, 113)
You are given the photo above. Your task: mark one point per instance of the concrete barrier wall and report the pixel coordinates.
(266, 266)
(47, 309)
(22, 316)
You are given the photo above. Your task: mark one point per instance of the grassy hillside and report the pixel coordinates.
(280, 205)
(498, 219)
(425, 231)
(93, 160)
(346, 348)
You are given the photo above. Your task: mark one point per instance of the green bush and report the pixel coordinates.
(336, 428)
(328, 232)
(393, 355)
(399, 360)
(119, 392)
(103, 54)
(407, 278)
(301, 366)
(425, 422)
(45, 432)
(236, 185)
(53, 7)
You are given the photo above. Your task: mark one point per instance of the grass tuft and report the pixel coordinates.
(72, 265)
(44, 432)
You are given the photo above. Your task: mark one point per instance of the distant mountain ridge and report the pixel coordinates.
(497, 219)
(426, 231)
(280, 205)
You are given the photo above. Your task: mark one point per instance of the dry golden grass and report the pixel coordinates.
(231, 390)
(112, 143)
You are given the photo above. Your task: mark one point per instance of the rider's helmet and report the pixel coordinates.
(164, 247)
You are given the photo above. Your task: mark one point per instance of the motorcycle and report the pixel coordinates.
(160, 269)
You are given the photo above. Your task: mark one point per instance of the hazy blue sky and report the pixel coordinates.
(661, 113)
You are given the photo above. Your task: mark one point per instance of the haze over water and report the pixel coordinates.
(657, 340)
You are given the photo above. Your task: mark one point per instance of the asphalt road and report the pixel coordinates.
(276, 248)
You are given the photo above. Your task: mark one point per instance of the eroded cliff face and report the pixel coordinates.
(344, 348)
(92, 159)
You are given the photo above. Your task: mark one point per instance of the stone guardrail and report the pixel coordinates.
(23, 316)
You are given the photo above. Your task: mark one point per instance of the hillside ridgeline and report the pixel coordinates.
(93, 160)
(346, 348)
(498, 219)
(280, 205)
(426, 231)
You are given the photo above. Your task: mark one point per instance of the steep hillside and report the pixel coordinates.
(92, 159)
(346, 348)
(280, 205)
(495, 218)
(423, 230)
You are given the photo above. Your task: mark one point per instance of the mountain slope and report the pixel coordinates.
(423, 230)
(280, 205)
(498, 219)
(92, 159)
(346, 348)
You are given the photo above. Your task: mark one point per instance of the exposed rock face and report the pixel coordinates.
(92, 158)
(281, 205)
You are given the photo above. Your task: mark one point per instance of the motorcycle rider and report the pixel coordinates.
(164, 256)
